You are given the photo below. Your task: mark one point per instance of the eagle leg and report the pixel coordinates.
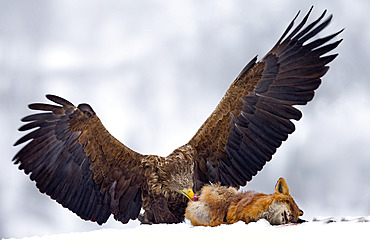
(158, 213)
(146, 218)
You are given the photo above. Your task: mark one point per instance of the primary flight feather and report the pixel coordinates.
(77, 162)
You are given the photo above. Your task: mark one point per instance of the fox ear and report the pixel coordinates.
(281, 187)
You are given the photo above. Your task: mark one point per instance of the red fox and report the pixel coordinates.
(225, 205)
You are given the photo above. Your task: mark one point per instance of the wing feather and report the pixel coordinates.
(255, 115)
(75, 161)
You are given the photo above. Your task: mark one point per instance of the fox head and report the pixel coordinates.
(283, 208)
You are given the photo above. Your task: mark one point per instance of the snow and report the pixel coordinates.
(261, 233)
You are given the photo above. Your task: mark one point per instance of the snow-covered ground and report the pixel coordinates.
(351, 232)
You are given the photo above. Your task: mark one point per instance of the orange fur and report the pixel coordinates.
(224, 205)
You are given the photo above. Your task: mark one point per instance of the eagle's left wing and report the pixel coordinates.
(77, 162)
(254, 116)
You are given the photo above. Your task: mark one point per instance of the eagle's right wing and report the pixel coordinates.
(254, 117)
(77, 162)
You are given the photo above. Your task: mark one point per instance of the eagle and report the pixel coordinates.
(77, 162)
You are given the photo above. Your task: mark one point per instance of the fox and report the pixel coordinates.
(218, 205)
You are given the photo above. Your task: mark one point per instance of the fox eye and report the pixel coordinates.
(284, 217)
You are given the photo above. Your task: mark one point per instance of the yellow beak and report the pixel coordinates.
(188, 193)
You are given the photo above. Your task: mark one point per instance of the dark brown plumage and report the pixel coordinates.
(75, 160)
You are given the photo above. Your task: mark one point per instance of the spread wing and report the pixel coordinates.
(254, 117)
(75, 161)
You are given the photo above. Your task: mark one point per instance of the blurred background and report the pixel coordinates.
(154, 71)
